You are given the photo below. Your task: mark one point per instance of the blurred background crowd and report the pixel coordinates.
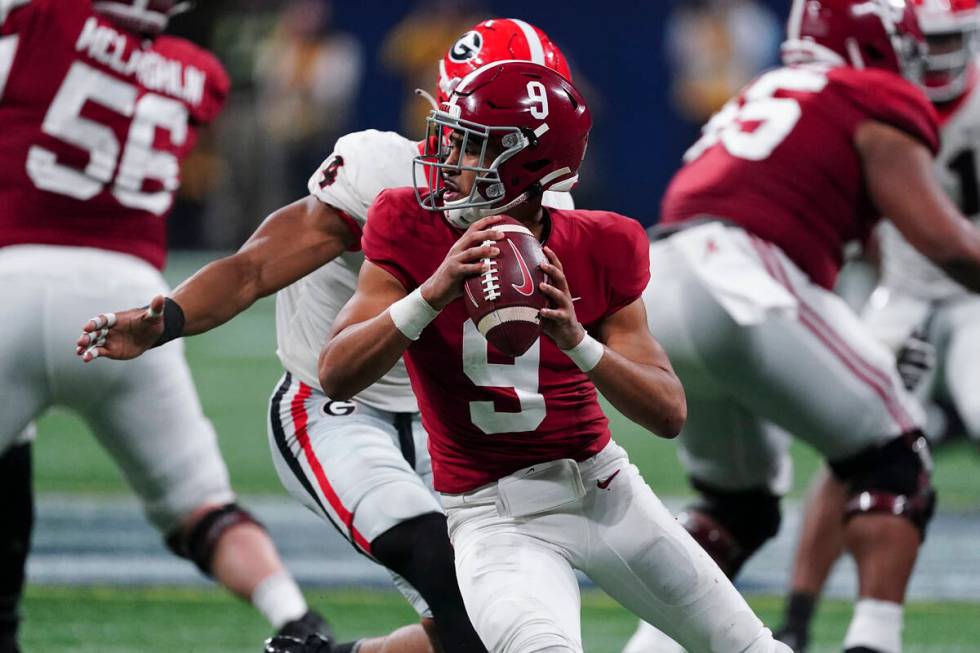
(307, 71)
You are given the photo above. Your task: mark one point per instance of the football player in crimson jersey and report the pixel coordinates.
(361, 465)
(916, 307)
(532, 483)
(805, 158)
(98, 110)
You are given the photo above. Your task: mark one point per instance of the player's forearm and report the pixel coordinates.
(359, 355)
(647, 394)
(215, 294)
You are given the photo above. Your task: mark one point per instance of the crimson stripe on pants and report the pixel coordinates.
(878, 381)
(300, 419)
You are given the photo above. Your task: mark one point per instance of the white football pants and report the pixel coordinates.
(762, 352)
(145, 412)
(517, 573)
(361, 469)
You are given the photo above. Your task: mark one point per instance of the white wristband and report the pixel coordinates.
(411, 314)
(587, 353)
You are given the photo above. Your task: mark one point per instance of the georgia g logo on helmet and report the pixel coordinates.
(466, 47)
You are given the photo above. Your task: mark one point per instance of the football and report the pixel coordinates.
(504, 300)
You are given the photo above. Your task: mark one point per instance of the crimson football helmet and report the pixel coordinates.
(528, 124)
(858, 33)
(497, 39)
(141, 16)
(951, 28)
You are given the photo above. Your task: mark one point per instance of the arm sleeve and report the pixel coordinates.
(381, 238)
(885, 97)
(361, 165)
(627, 264)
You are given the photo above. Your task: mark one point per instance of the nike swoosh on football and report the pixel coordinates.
(604, 484)
(527, 284)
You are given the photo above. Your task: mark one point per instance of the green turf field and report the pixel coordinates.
(235, 369)
(163, 620)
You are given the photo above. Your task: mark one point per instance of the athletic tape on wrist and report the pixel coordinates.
(173, 322)
(587, 353)
(411, 314)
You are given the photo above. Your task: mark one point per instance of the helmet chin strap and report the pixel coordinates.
(462, 218)
(428, 98)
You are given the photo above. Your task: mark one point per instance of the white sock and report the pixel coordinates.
(279, 600)
(876, 625)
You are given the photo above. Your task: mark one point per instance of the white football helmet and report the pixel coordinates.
(141, 16)
(951, 28)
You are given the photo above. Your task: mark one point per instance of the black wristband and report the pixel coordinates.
(173, 322)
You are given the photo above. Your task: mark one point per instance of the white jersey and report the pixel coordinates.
(904, 269)
(361, 166)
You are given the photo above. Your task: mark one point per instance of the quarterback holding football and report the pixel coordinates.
(533, 485)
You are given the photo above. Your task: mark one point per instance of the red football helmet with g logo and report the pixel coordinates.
(951, 28)
(859, 33)
(530, 127)
(497, 39)
(141, 16)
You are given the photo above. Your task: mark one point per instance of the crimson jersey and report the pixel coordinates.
(488, 414)
(779, 160)
(95, 124)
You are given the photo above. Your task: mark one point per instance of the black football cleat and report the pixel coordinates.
(308, 634)
(313, 643)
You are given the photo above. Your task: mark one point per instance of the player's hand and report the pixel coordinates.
(463, 261)
(121, 336)
(559, 322)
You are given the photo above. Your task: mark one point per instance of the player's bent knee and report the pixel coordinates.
(895, 479)
(199, 542)
(396, 502)
(731, 525)
(548, 647)
(531, 631)
(418, 550)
